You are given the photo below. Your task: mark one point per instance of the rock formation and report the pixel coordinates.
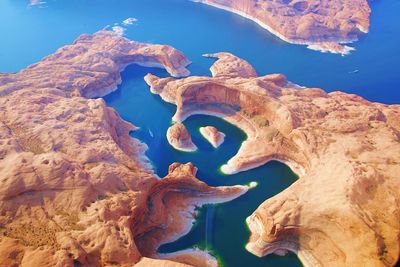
(146, 262)
(322, 24)
(179, 138)
(212, 135)
(91, 66)
(75, 188)
(344, 210)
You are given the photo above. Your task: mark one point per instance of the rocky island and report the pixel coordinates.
(344, 210)
(179, 138)
(76, 189)
(323, 25)
(212, 135)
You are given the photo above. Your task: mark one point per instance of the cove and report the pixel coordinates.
(221, 229)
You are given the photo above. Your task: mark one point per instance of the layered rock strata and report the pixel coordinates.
(321, 24)
(179, 138)
(212, 135)
(344, 210)
(76, 189)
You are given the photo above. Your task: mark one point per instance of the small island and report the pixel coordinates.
(344, 149)
(319, 180)
(76, 188)
(212, 135)
(179, 138)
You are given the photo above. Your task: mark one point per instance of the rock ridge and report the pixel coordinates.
(322, 25)
(76, 189)
(344, 210)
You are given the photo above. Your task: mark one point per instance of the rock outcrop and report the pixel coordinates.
(178, 194)
(212, 135)
(75, 188)
(344, 210)
(179, 138)
(146, 262)
(322, 24)
(91, 66)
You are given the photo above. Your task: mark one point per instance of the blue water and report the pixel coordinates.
(30, 33)
(220, 229)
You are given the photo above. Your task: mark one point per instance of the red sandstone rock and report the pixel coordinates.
(212, 135)
(322, 24)
(90, 67)
(75, 188)
(345, 208)
(147, 262)
(178, 193)
(179, 137)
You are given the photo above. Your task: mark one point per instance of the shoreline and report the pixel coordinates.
(203, 132)
(177, 141)
(195, 254)
(225, 117)
(188, 223)
(199, 202)
(312, 45)
(145, 162)
(229, 170)
(279, 248)
(114, 87)
(190, 149)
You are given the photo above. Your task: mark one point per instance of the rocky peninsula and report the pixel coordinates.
(76, 189)
(179, 138)
(344, 210)
(212, 135)
(323, 25)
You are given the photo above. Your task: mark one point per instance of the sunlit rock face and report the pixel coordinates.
(179, 137)
(321, 24)
(344, 209)
(212, 135)
(91, 66)
(75, 188)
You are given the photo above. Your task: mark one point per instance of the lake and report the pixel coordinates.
(30, 33)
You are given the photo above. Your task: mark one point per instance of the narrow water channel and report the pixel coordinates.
(221, 229)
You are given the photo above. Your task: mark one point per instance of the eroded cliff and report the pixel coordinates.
(76, 189)
(321, 24)
(345, 208)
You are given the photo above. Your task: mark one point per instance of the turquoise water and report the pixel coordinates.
(30, 33)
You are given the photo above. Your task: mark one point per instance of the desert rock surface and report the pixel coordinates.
(179, 138)
(91, 66)
(344, 210)
(322, 24)
(212, 135)
(75, 188)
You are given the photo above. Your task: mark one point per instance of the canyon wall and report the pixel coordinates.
(345, 208)
(76, 189)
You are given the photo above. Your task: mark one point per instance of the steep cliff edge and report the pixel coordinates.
(76, 189)
(321, 24)
(345, 208)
